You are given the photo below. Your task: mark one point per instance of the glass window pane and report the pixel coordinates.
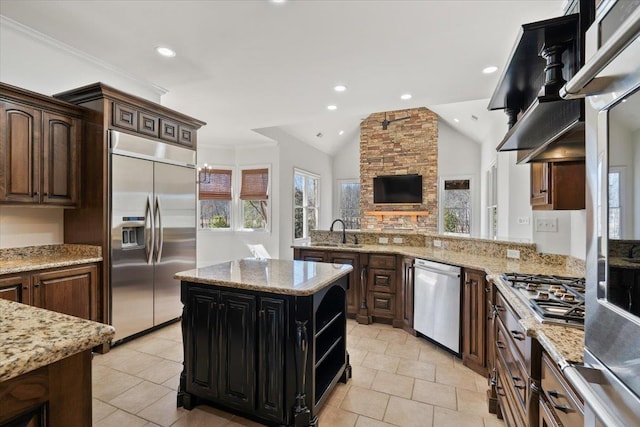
(312, 219)
(350, 204)
(312, 192)
(215, 214)
(298, 218)
(298, 190)
(255, 214)
(457, 207)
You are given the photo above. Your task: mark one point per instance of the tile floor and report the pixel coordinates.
(398, 380)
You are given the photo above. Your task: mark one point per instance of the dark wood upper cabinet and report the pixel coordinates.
(40, 149)
(558, 185)
(168, 130)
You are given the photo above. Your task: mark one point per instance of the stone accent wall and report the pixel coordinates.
(406, 147)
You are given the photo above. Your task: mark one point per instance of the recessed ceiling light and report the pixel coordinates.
(489, 70)
(332, 107)
(340, 88)
(456, 120)
(165, 51)
(341, 132)
(405, 96)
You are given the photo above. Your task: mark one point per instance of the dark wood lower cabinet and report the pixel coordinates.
(273, 358)
(560, 404)
(474, 320)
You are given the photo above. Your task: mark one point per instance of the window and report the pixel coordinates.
(616, 192)
(492, 202)
(456, 206)
(254, 195)
(349, 207)
(305, 203)
(214, 192)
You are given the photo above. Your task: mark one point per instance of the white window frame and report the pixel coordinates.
(492, 199)
(232, 202)
(441, 190)
(305, 235)
(240, 203)
(339, 192)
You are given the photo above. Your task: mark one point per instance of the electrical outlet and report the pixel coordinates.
(398, 240)
(547, 225)
(523, 220)
(383, 240)
(437, 243)
(513, 253)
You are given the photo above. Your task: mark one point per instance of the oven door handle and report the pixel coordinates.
(629, 30)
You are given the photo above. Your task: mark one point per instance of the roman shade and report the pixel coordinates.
(214, 184)
(255, 184)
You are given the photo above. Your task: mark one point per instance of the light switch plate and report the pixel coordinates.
(547, 225)
(513, 253)
(398, 240)
(383, 240)
(437, 243)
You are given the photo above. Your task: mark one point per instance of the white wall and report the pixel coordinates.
(21, 227)
(346, 165)
(459, 156)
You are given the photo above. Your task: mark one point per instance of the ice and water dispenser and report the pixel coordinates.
(132, 233)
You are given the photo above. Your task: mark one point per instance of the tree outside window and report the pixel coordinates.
(456, 207)
(254, 199)
(305, 203)
(349, 210)
(214, 193)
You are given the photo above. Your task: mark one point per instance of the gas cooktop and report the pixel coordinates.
(554, 299)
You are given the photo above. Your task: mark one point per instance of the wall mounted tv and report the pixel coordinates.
(405, 189)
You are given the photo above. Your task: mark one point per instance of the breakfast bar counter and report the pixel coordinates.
(264, 338)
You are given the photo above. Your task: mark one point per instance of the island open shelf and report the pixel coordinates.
(270, 353)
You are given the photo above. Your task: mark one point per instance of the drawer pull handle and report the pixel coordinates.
(499, 307)
(552, 395)
(498, 389)
(516, 380)
(518, 335)
(500, 345)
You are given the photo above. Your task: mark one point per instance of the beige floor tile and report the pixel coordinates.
(365, 402)
(113, 385)
(409, 413)
(164, 411)
(493, 421)
(472, 402)
(369, 422)
(121, 419)
(434, 355)
(352, 341)
(126, 360)
(482, 384)
(434, 394)
(336, 417)
(371, 345)
(405, 351)
(139, 397)
(356, 356)
(446, 418)
(203, 416)
(351, 323)
(173, 383)
(362, 376)
(420, 370)
(161, 371)
(396, 385)
(100, 410)
(174, 353)
(153, 345)
(242, 422)
(368, 331)
(393, 335)
(381, 362)
(460, 377)
(338, 394)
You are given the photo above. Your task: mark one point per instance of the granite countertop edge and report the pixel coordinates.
(34, 258)
(31, 337)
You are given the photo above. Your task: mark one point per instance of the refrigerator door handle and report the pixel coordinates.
(150, 235)
(160, 229)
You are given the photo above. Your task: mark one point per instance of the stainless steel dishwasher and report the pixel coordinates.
(436, 302)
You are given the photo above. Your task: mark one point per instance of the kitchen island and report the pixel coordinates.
(264, 338)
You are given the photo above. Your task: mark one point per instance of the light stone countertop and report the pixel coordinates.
(269, 275)
(32, 337)
(564, 344)
(32, 258)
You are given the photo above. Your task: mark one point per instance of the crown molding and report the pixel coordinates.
(41, 37)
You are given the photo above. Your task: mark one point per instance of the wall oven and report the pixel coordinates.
(610, 83)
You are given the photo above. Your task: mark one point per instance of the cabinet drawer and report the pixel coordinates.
(563, 402)
(149, 124)
(382, 261)
(125, 117)
(382, 304)
(311, 255)
(382, 280)
(168, 130)
(187, 136)
(511, 323)
(515, 375)
(508, 405)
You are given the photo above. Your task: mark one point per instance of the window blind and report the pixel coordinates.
(255, 183)
(214, 184)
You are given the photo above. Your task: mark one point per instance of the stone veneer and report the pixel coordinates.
(406, 147)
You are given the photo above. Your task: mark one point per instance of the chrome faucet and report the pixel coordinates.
(344, 233)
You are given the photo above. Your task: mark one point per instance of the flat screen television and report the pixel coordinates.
(397, 189)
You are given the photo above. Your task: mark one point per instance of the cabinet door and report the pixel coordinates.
(382, 280)
(407, 292)
(382, 304)
(70, 291)
(15, 288)
(168, 130)
(187, 136)
(540, 185)
(148, 124)
(60, 161)
(317, 256)
(201, 347)
(271, 350)
(20, 153)
(237, 350)
(473, 320)
(353, 292)
(125, 116)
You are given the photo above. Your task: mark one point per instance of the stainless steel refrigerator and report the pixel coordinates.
(153, 230)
